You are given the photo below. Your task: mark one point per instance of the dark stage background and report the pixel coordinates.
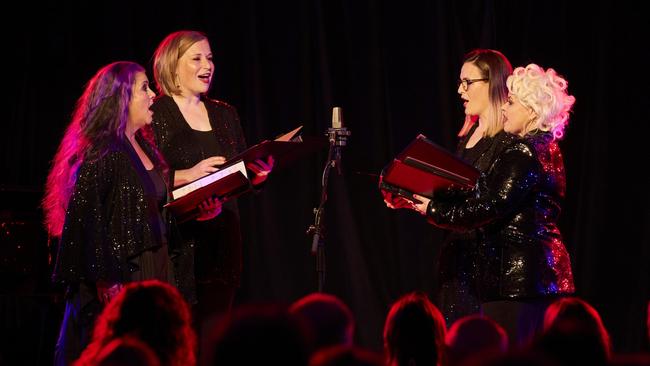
(391, 66)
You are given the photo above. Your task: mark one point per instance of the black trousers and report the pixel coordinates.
(81, 309)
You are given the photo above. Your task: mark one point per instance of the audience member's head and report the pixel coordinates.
(127, 351)
(568, 342)
(414, 332)
(574, 333)
(577, 310)
(345, 355)
(474, 336)
(153, 312)
(327, 318)
(253, 335)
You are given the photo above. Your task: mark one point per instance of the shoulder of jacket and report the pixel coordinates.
(117, 151)
(161, 101)
(522, 146)
(538, 143)
(215, 103)
(164, 114)
(111, 159)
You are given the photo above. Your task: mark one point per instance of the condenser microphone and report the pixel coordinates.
(337, 125)
(337, 118)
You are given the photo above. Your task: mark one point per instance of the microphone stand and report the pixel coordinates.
(337, 139)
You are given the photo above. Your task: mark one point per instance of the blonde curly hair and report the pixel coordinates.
(545, 92)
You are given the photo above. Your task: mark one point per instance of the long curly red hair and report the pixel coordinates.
(98, 121)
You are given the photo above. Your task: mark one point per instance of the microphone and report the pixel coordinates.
(337, 118)
(337, 125)
(337, 135)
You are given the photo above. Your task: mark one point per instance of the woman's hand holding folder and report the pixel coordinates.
(209, 209)
(395, 201)
(261, 169)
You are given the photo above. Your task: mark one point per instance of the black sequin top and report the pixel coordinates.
(113, 216)
(516, 207)
(457, 294)
(217, 243)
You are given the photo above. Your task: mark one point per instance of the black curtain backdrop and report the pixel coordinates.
(391, 66)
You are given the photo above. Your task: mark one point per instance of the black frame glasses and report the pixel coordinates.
(467, 82)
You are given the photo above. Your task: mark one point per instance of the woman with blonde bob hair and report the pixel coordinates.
(523, 264)
(197, 134)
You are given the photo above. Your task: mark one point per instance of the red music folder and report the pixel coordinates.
(285, 149)
(223, 184)
(231, 180)
(424, 168)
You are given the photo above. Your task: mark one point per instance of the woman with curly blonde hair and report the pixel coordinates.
(543, 95)
(523, 263)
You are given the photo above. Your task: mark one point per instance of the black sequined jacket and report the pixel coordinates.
(108, 218)
(515, 208)
(217, 242)
(457, 293)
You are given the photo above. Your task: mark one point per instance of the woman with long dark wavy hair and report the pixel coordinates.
(104, 201)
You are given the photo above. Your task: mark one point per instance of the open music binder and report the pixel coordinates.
(231, 180)
(424, 168)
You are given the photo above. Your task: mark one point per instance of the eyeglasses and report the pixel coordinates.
(467, 82)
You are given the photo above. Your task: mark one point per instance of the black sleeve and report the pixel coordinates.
(511, 179)
(161, 129)
(85, 250)
(235, 127)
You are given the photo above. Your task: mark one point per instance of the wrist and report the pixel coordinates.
(431, 209)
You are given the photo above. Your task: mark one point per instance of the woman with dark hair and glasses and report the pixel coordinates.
(523, 264)
(482, 89)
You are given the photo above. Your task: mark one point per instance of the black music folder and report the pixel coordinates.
(424, 168)
(231, 180)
